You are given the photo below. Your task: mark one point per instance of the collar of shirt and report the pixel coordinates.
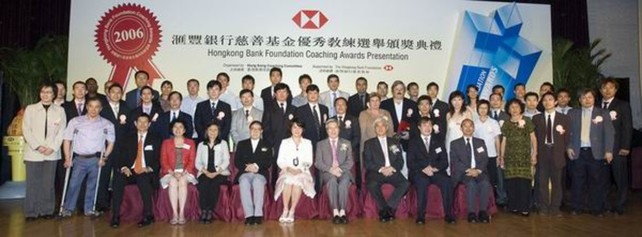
(552, 114)
(255, 143)
(79, 101)
(114, 103)
(142, 134)
(247, 108)
(342, 116)
(147, 106)
(424, 137)
(177, 112)
(470, 138)
(589, 109)
(608, 101)
(312, 105)
(214, 101)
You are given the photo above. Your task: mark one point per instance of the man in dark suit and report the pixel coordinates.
(427, 162)
(147, 106)
(133, 97)
(439, 108)
(213, 110)
(469, 159)
(383, 162)
(349, 129)
(591, 150)
(620, 113)
(166, 118)
(313, 114)
(138, 163)
(76, 106)
(92, 90)
(276, 120)
(496, 113)
(359, 101)
(552, 138)
(401, 109)
(116, 111)
(253, 160)
(268, 94)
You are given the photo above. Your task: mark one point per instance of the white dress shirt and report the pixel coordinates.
(384, 148)
(488, 131)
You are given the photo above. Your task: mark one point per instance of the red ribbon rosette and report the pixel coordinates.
(128, 36)
(403, 126)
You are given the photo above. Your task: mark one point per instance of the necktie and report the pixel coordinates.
(334, 97)
(138, 164)
(549, 136)
(495, 115)
(363, 101)
(79, 109)
(282, 108)
(427, 144)
(340, 120)
(316, 115)
(335, 161)
(586, 126)
(173, 116)
(116, 109)
(138, 97)
(247, 113)
(213, 109)
(606, 105)
(469, 150)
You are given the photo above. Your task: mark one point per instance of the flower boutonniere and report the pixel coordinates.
(521, 123)
(598, 119)
(435, 128)
(155, 117)
(613, 114)
(348, 124)
(344, 147)
(409, 113)
(394, 149)
(221, 115)
(436, 113)
(123, 119)
(290, 117)
(560, 129)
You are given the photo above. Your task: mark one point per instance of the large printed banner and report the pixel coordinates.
(453, 43)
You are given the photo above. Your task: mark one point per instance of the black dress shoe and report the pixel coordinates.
(450, 219)
(210, 216)
(258, 220)
(47, 217)
(391, 213)
(618, 211)
(31, 218)
(344, 219)
(115, 222)
(336, 220)
(472, 217)
(146, 221)
(383, 216)
(249, 220)
(483, 217)
(420, 221)
(576, 212)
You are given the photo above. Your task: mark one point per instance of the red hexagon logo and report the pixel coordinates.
(309, 19)
(388, 67)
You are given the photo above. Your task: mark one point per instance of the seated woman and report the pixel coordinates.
(212, 162)
(177, 169)
(294, 160)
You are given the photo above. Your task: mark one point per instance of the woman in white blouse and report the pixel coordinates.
(458, 112)
(212, 162)
(294, 160)
(42, 127)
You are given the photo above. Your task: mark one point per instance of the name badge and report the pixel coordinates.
(178, 171)
(438, 150)
(186, 146)
(264, 149)
(480, 150)
(149, 148)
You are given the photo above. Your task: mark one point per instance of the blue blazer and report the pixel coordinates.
(130, 97)
(162, 124)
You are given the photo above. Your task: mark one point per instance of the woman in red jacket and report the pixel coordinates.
(177, 169)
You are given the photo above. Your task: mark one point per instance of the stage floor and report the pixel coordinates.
(12, 224)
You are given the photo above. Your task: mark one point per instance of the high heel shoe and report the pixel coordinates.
(174, 221)
(284, 217)
(290, 217)
(181, 221)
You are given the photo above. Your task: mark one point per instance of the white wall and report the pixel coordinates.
(617, 23)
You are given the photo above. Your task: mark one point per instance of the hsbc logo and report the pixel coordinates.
(388, 67)
(309, 19)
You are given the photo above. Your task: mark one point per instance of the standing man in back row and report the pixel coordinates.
(268, 93)
(328, 97)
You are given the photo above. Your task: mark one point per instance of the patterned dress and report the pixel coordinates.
(517, 156)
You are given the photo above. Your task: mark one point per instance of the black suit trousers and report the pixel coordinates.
(586, 169)
(376, 180)
(422, 181)
(547, 171)
(144, 183)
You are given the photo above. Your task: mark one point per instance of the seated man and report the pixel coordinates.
(253, 160)
(428, 161)
(334, 161)
(139, 164)
(469, 159)
(383, 162)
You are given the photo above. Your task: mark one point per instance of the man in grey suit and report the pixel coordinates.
(591, 150)
(328, 97)
(383, 161)
(469, 159)
(334, 160)
(242, 117)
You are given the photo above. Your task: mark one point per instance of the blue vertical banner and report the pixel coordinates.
(489, 51)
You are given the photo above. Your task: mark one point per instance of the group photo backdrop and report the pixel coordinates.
(452, 43)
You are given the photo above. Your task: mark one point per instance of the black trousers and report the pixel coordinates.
(208, 190)
(376, 180)
(586, 169)
(143, 181)
(549, 200)
(519, 194)
(102, 200)
(620, 177)
(422, 181)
